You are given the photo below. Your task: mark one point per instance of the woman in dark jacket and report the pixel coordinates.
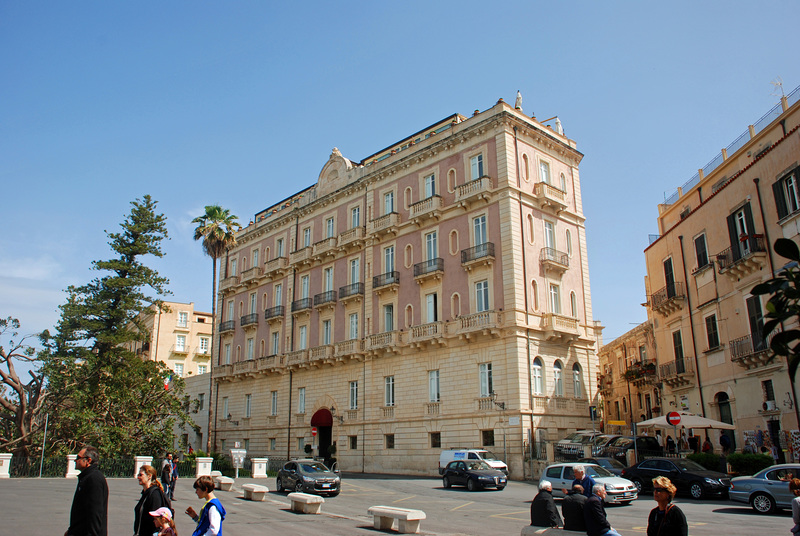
(666, 519)
(152, 499)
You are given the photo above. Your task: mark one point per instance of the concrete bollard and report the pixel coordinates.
(260, 467)
(203, 467)
(72, 469)
(5, 465)
(139, 461)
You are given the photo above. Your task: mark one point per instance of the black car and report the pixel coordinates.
(474, 474)
(611, 464)
(308, 476)
(689, 477)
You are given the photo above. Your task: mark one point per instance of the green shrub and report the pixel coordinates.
(707, 460)
(749, 464)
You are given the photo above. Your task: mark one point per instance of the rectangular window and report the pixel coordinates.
(555, 299)
(246, 444)
(253, 303)
(487, 438)
(230, 310)
(222, 444)
(279, 248)
(388, 259)
(353, 395)
(436, 440)
(301, 400)
(479, 228)
(476, 166)
(430, 186)
(307, 237)
(180, 343)
(251, 347)
(355, 217)
(273, 408)
(202, 369)
(303, 336)
(544, 172)
(205, 345)
(482, 296)
(228, 354)
(330, 232)
(278, 295)
(248, 399)
(485, 375)
(276, 339)
(677, 348)
(326, 332)
(353, 326)
(787, 200)
(255, 258)
(225, 409)
(431, 250)
(355, 271)
(327, 279)
(643, 353)
(431, 307)
(353, 442)
(389, 441)
(272, 443)
(712, 333)
(701, 252)
(388, 317)
(769, 392)
(549, 235)
(183, 319)
(433, 386)
(301, 443)
(304, 287)
(388, 203)
(233, 268)
(388, 391)
(179, 370)
(201, 401)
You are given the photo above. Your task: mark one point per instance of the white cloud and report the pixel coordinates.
(42, 268)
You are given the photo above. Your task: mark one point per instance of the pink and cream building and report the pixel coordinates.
(434, 294)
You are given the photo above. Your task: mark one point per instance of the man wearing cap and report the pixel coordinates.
(89, 514)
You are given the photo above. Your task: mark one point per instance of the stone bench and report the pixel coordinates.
(530, 530)
(407, 520)
(223, 483)
(306, 503)
(254, 492)
(215, 474)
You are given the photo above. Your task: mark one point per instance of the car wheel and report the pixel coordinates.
(763, 503)
(298, 487)
(471, 485)
(279, 484)
(696, 490)
(446, 482)
(638, 484)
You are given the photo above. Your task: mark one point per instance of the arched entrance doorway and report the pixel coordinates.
(323, 420)
(725, 415)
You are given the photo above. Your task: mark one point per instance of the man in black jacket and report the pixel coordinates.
(572, 509)
(89, 515)
(594, 514)
(543, 508)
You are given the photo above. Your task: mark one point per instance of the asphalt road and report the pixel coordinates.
(41, 507)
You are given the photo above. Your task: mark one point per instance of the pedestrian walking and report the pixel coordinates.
(166, 472)
(666, 519)
(173, 478)
(153, 497)
(670, 445)
(794, 487)
(572, 509)
(89, 514)
(209, 520)
(543, 508)
(725, 443)
(164, 522)
(708, 448)
(594, 514)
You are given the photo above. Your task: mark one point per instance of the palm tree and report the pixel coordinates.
(216, 227)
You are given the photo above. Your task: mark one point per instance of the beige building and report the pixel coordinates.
(432, 295)
(180, 337)
(715, 245)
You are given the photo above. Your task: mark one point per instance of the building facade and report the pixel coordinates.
(715, 244)
(433, 295)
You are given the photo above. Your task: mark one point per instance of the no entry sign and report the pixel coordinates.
(674, 418)
(314, 430)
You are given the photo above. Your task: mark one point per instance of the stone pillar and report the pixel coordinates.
(203, 467)
(5, 465)
(630, 456)
(259, 467)
(72, 470)
(587, 451)
(550, 448)
(139, 461)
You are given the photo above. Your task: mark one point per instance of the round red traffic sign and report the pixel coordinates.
(674, 418)
(314, 431)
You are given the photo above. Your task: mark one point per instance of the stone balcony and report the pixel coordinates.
(268, 364)
(223, 372)
(384, 225)
(642, 373)
(351, 239)
(560, 328)
(668, 299)
(480, 255)
(228, 284)
(431, 333)
(430, 269)
(180, 350)
(744, 259)
(386, 342)
(750, 351)
(473, 192)
(483, 324)
(678, 373)
(301, 256)
(550, 198)
(251, 275)
(297, 359)
(554, 261)
(245, 368)
(430, 208)
(324, 249)
(354, 349)
(321, 354)
(276, 267)
(390, 281)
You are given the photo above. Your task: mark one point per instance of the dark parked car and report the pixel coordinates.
(601, 442)
(647, 447)
(688, 476)
(767, 490)
(474, 474)
(610, 464)
(308, 476)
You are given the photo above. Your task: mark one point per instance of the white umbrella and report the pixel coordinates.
(689, 420)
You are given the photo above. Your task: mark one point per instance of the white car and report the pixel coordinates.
(618, 490)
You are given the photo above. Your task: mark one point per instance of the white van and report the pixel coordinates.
(449, 455)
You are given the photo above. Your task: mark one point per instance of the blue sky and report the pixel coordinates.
(240, 103)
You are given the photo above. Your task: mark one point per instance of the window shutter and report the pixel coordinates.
(780, 200)
(735, 252)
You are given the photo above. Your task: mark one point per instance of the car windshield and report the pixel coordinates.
(487, 455)
(622, 442)
(595, 471)
(313, 467)
(610, 462)
(600, 440)
(571, 437)
(688, 465)
(478, 466)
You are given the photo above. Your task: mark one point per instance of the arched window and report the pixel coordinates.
(534, 296)
(573, 304)
(451, 181)
(409, 255)
(409, 315)
(407, 197)
(525, 168)
(569, 243)
(577, 387)
(538, 377)
(530, 228)
(558, 380)
(454, 242)
(563, 183)
(455, 305)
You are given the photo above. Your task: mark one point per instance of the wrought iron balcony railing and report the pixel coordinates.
(325, 297)
(274, 312)
(429, 266)
(389, 278)
(301, 304)
(354, 289)
(477, 252)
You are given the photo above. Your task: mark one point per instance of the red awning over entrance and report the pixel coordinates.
(322, 417)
